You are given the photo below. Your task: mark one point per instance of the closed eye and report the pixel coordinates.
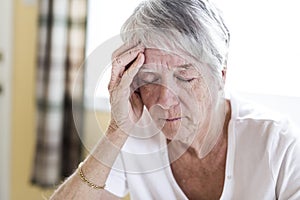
(185, 79)
(148, 77)
(149, 80)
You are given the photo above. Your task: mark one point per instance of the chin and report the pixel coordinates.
(170, 135)
(182, 135)
(177, 130)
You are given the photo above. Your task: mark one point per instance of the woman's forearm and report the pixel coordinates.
(95, 168)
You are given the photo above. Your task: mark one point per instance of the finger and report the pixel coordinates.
(118, 68)
(119, 64)
(129, 75)
(125, 47)
(125, 58)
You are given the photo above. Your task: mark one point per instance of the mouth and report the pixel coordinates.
(172, 119)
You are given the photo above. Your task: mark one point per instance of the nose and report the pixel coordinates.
(167, 98)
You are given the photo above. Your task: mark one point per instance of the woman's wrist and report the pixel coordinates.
(115, 134)
(86, 180)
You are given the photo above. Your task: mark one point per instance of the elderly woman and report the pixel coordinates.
(173, 134)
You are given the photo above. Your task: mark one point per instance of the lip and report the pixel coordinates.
(173, 119)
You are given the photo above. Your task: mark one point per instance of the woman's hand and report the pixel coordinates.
(126, 103)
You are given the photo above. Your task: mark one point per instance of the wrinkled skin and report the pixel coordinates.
(175, 90)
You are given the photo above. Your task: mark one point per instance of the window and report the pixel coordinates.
(105, 19)
(263, 54)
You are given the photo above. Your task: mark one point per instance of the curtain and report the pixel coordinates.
(61, 51)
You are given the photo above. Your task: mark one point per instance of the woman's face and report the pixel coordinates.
(175, 93)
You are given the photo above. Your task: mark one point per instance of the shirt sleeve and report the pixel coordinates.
(288, 181)
(116, 182)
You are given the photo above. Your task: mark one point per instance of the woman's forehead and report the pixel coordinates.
(158, 59)
(163, 57)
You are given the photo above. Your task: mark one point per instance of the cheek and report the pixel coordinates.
(197, 101)
(202, 92)
(198, 92)
(148, 94)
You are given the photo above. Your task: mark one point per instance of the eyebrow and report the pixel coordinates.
(184, 66)
(179, 67)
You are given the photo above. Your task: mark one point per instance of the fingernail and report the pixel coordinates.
(140, 56)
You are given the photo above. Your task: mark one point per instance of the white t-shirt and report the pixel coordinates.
(263, 161)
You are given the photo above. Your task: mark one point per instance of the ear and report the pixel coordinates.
(224, 72)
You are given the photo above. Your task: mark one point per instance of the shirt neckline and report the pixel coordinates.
(229, 159)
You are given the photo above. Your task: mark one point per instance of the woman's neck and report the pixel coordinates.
(216, 137)
(203, 147)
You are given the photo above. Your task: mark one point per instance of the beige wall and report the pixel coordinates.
(23, 113)
(23, 106)
(95, 125)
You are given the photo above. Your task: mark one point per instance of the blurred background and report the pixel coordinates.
(53, 108)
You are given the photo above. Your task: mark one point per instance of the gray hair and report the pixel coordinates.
(195, 27)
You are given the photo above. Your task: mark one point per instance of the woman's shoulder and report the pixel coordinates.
(244, 108)
(255, 121)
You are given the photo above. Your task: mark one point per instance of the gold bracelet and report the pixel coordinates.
(83, 178)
